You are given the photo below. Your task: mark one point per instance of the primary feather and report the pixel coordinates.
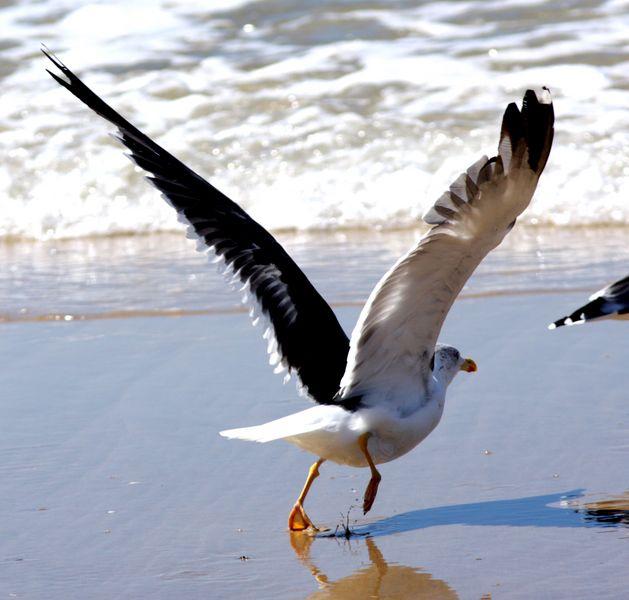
(308, 338)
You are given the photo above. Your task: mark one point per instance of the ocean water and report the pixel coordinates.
(331, 115)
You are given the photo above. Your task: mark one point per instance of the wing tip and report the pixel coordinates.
(49, 54)
(567, 322)
(564, 321)
(52, 57)
(545, 97)
(528, 132)
(541, 96)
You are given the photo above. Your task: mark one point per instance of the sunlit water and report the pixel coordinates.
(163, 274)
(335, 114)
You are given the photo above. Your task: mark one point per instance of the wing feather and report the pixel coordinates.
(308, 337)
(396, 333)
(610, 302)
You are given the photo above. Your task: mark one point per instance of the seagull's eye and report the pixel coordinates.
(432, 362)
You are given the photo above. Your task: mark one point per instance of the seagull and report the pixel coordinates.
(612, 302)
(380, 393)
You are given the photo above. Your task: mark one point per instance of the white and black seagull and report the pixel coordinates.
(612, 302)
(381, 393)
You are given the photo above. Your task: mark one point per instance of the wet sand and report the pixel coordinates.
(115, 483)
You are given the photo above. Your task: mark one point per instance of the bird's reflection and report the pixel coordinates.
(378, 581)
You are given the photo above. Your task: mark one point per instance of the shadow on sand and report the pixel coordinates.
(550, 510)
(379, 579)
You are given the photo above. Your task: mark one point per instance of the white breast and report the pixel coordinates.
(332, 433)
(394, 436)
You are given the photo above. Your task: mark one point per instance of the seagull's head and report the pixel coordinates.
(448, 362)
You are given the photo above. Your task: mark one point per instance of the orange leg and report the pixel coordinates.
(374, 482)
(298, 520)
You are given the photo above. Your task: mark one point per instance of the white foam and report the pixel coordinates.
(302, 127)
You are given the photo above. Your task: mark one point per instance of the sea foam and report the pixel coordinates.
(310, 118)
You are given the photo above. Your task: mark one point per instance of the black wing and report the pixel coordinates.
(608, 302)
(310, 340)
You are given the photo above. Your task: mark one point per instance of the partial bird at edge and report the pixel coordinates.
(611, 302)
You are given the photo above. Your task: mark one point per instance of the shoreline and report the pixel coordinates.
(140, 314)
(417, 227)
(164, 275)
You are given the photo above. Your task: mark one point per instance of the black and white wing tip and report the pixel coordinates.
(304, 334)
(526, 137)
(612, 302)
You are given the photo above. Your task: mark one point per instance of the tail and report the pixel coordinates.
(293, 425)
(258, 433)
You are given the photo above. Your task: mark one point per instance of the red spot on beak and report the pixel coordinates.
(469, 366)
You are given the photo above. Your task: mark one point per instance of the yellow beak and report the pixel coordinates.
(469, 366)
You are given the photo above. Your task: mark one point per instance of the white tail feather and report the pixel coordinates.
(306, 421)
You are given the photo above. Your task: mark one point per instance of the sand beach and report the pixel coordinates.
(116, 483)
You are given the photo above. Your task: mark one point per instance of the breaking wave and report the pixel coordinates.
(333, 116)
